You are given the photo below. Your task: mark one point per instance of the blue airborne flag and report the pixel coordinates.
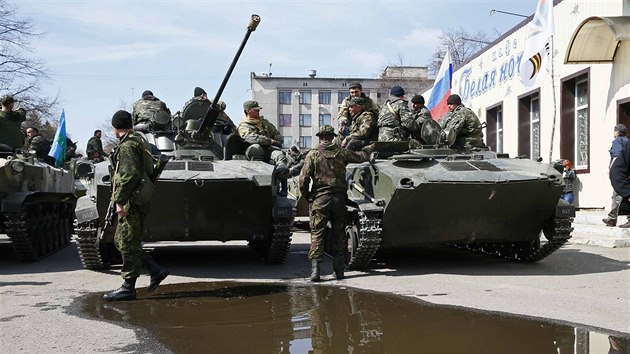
(58, 149)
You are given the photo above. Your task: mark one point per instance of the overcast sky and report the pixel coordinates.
(103, 54)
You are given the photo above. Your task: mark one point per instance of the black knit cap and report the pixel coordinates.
(454, 99)
(417, 99)
(147, 93)
(121, 120)
(397, 91)
(199, 91)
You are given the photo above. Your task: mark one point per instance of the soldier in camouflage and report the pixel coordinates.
(265, 141)
(345, 118)
(395, 120)
(363, 129)
(465, 124)
(420, 114)
(325, 169)
(94, 149)
(295, 160)
(145, 108)
(11, 137)
(131, 161)
(39, 144)
(223, 124)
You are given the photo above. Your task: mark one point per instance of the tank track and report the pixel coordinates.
(88, 246)
(40, 230)
(369, 241)
(278, 247)
(527, 251)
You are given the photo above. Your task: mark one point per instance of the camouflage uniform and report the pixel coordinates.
(41, 146)
(395, 120)
(344, 114)
(10, 128)
(362, 131)
(467, 127)
(95, 146)
(130, 160)
(325, 167)
(419, 118)
(262, 135)
(144, 109)
(223, 124)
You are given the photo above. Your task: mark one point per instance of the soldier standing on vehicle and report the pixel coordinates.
(395, 120)
(356, 90)
(144, 109)
(265, 140)
(325, 168)
(94, 149)
(465, 124)
(132, 164)
(39, 144)
(363, 129)
(11, 137)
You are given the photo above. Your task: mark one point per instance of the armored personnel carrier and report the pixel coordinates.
(478, 200)
(38, 201)
(206, 191)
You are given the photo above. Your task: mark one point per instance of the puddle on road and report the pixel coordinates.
(235, 317)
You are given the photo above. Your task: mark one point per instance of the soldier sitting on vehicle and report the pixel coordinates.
(150, 111)
(345, 117)
(265, 140)
(395, 120)
(11, 137)
(465, 123)
(363, 129)
(39, 144)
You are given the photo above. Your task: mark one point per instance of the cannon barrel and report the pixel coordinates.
(213, 112)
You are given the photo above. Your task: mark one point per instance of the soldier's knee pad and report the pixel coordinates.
(255, 152)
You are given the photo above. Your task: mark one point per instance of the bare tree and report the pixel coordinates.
(462, 46)
(22, 75)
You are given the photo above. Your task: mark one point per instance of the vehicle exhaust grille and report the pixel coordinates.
(469, 166)
(175, 165)
(200, 166)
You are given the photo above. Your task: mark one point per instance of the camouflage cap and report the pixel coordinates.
(6, 99)
(356, 100)
(355, 84)
(251, 105)
(326, 130)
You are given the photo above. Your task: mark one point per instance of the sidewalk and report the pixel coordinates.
(588, 229)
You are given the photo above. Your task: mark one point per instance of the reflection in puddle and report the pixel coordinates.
(276, 318)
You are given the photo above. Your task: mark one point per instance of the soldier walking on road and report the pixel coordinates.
(325, 167)
(131, 161)
(94, 149)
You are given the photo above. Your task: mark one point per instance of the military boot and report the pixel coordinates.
(338, 266)
(157, 272)
(314, 270)
(126, 292)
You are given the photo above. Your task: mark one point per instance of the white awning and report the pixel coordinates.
(596, 39)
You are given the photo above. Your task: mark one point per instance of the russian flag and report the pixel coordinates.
(441, 88)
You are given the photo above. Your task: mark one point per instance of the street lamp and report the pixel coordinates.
(507, 13)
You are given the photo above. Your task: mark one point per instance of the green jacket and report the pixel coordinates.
(94, 145)
(10, 128)
(41, 146)
(262, 132)
(325, 166)
(130, 160)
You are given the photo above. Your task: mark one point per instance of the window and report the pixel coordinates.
(287, 141)
(324, 97)
(341, 95)
(575, 122)
(284, 120)
(494, 128)
(529, 125)
(305, 120)
(325, 119)
(305, 97)
(306, 142)
(284, 97)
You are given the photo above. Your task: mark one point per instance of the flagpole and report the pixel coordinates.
(555, 103)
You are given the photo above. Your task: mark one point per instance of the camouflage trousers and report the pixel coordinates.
(128, 240)
(391, 134)
(328, 208)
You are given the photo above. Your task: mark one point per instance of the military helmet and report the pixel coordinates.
(191, 125)
(326, 130)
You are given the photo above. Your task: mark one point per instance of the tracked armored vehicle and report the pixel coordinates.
(478, 200)
(482, 201)
(38, 202)
(207, 190)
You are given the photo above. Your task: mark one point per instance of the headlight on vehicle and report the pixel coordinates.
(17, 166)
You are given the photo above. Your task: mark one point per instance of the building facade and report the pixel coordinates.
(572, 111)
(298, 106)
